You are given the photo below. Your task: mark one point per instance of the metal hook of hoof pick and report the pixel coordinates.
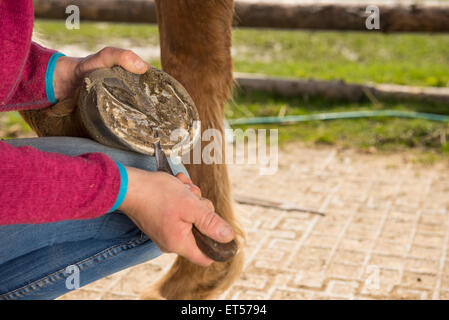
(217, 251)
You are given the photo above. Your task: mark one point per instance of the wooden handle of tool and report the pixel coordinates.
(215, 250)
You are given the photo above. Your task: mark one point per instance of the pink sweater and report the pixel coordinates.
(36, 186)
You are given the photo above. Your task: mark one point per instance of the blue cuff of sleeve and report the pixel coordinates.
(123, 186)
(49, 90)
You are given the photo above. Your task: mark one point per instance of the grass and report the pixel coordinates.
(411, 59)
(379, 134)
(354, 56)
(12, 126)
(91, 34)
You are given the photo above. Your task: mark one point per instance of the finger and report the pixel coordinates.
(188, 182)
(208, 204)
(193, 188)
(126, 58)
(110, 56)
(184, 179)
(212, 225)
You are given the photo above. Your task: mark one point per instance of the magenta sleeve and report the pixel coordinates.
(23, 62)
(31, 89)
(39, 187)
(36, 186)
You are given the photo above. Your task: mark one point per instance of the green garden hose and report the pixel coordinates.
(339, 115)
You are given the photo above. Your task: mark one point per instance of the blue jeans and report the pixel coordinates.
(35, 258)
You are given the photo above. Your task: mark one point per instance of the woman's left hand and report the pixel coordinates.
(69, 71)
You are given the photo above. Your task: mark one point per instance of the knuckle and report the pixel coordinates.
(209, 203)
(105, 51)
(127, 55)
(208, 220)
(190, 201)
(197, 192)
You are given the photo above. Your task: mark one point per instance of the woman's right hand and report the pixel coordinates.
(165, 207)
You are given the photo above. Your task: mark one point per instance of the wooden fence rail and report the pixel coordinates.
(394, 16)
(339, 90)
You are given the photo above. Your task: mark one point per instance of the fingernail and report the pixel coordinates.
(140, 64)
(225, 232)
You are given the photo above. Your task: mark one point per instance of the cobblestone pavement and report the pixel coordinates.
(385, 234)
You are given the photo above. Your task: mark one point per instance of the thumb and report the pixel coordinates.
(212, 225)
(110, 56)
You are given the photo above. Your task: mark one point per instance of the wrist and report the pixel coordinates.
(64, 78)
(138, 190)
(49, 76)
(128, 201)
(123, 188)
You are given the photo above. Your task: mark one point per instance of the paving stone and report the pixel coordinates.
(385, 234)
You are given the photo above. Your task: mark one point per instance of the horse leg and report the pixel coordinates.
(195, 38)
(61, 119)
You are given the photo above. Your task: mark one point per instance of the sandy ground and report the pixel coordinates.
(385, 234)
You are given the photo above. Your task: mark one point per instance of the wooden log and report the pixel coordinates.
(139, 11)
(340, 90)
(394, 16)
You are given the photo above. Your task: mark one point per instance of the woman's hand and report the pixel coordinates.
(69, 71)
(165, 207)
(162, 206)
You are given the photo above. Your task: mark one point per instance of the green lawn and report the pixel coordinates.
(380, 134)
(354, 56)
(412, 59)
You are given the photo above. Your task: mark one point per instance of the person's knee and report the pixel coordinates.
(120, 230)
